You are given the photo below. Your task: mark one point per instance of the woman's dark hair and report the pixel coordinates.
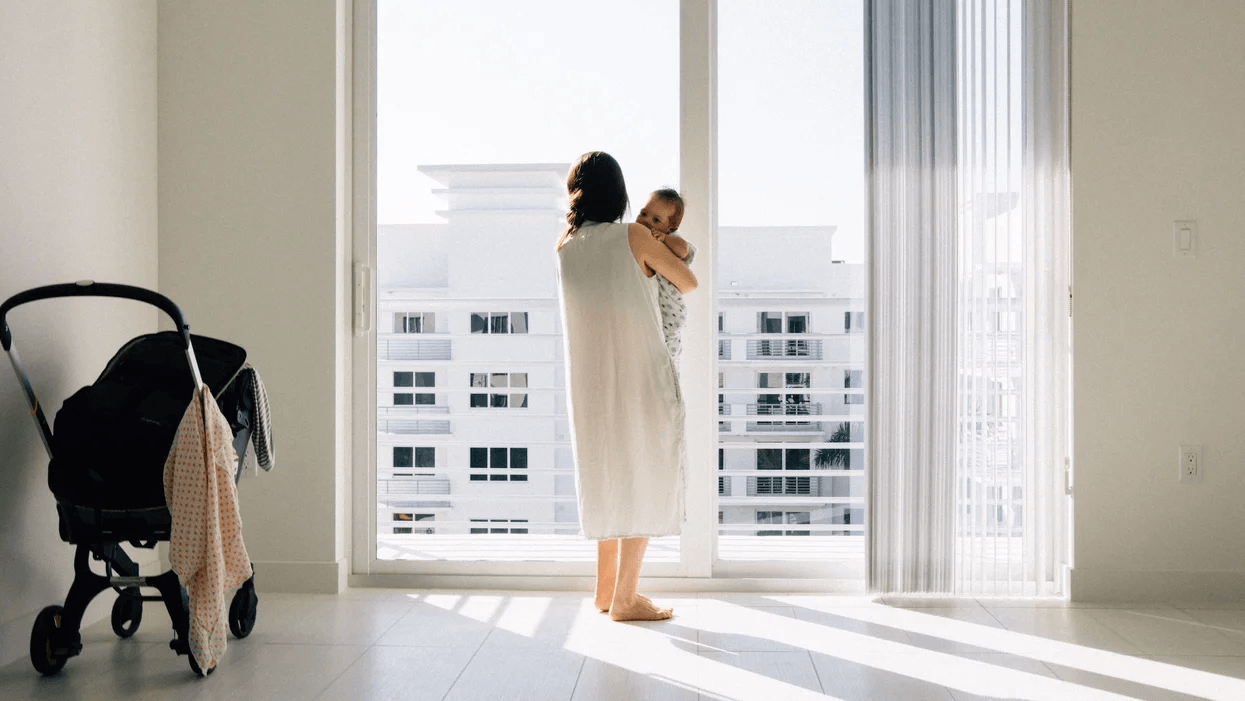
(597, 191)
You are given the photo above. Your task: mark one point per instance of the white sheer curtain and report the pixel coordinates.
(968, 204)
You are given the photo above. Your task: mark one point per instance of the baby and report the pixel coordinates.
(662, 214)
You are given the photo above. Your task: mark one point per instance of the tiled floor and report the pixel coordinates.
(459, 646)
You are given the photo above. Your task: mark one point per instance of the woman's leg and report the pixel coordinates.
(607, 572)
(628, 604)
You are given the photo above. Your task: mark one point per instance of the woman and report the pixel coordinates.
(626, 412)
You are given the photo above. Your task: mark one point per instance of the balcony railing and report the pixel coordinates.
(394, 412)
(794, 409)
(784, 426)
(802, 348)
(784, 486)
(724, 409)
(405, 411)
(724, 350)
(398, 493)
(401, 347)
(408, 486)
(801, 409)
(403, 427)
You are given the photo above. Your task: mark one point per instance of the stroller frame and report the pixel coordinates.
(56, 635)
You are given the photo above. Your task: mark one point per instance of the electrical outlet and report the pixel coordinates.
(1191, 467)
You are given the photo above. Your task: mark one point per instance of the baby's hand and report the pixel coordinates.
(658, 235)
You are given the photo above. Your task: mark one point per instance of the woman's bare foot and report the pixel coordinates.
(603, 599)
(605, 607)
(640, 609)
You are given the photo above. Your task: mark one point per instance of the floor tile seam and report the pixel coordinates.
(992, 616)
(398, 619)
(583, 661)
(816, 674)
(459, 676)
(277, 643)
(341, 674)
(1219, 630)
(1140, 649)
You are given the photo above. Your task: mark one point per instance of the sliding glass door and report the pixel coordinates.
(479, 108)
(791, 260)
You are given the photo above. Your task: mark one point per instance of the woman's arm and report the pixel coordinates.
(653, 254)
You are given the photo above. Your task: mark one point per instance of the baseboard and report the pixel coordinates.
(301, 577)
(1145, 586)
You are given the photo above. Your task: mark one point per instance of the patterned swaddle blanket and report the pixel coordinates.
(673, 311)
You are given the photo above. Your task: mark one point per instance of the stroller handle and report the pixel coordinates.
(90, 288)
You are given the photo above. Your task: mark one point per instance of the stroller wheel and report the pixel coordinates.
(45, 637)
(194, 666)
(242, 611)
(127, 614)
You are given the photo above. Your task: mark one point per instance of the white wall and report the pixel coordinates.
(77, 200)
(253, 246)
(1158, 103)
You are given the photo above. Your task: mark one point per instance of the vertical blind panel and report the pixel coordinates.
(1013, 271)
(968, 205)
(910, 143)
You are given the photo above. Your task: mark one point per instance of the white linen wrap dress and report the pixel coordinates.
(626, 411)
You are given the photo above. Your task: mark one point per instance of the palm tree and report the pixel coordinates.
(837, 458)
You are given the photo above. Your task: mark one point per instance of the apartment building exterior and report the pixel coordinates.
(472, 431)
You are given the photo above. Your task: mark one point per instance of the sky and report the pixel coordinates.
(542, 81)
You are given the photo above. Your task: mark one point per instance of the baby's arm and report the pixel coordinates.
(678, 246)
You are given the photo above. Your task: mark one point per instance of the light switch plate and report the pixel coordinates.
(1184, 239)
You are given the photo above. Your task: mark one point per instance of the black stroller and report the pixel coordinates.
(107, 462)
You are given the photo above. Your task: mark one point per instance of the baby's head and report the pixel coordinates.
(663, 212)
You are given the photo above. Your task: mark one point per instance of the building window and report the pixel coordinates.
(498, 464)
(779, 459)
(499, 322)
(781, 517)
(412, 518)
(496, 381)
(852, 380)
(853, 322)
(497, 525)
(414, 322)
(414, 379)
(785, 404)
(772, 322)
(408, 457)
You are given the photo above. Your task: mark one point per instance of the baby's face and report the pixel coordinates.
(657, 215)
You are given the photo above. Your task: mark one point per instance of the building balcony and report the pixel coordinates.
(724, 350)
(405, 420)
(406, 486)
(794, 409)
(404, 492)
(803, 409)
(411, 347)
(785, 348)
